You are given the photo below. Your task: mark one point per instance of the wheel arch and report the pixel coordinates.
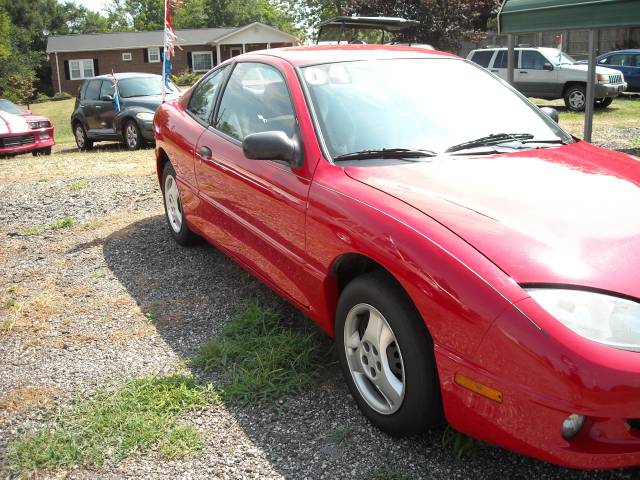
(347, 267)
(161, 160)
(570, 84)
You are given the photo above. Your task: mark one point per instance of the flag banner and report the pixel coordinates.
(116, 92)
(170, 40)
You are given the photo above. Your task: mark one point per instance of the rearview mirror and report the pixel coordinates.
(547, 66)
(106, 98)
(273, 145)
(551, 113)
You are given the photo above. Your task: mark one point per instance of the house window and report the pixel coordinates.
(79, 69)
(126, 57)
(154, 54)
(235, 51)
(201, 61)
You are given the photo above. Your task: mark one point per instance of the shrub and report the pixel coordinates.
(186, 78)
(61, 96)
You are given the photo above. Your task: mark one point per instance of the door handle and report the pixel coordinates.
(494, 71)
(523, 71)
(205, 152)
(98, 107)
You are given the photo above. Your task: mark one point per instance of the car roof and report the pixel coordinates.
(121, 76)
(628, 50)
(317, 54)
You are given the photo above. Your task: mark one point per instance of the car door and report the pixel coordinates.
(90, 107)
(256, 208)
(535, 75)
(633, 78)
(499, 65)
(105, 109)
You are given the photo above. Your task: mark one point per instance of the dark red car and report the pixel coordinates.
(474, 262)
(23, 132)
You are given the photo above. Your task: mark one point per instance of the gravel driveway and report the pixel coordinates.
(110, 297)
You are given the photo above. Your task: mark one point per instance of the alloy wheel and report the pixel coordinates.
(80, 136)
(131, 134)
(172, 203)
(577, 99)
(374, 359)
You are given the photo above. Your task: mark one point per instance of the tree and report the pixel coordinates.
(307, 14)
(20, 88)
(443, 23)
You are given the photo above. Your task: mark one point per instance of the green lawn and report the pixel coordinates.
(60, 114)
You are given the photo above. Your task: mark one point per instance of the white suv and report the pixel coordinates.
(551, 74)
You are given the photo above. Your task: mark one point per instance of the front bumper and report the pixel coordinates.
(605, 90)
(542, 382)
(146, 129)
(26, 142)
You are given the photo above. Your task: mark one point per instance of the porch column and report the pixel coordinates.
(218, 57)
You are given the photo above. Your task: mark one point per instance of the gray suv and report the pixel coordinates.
(550, 74)
(96, 117)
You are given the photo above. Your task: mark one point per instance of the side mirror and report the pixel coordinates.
(106, 98)
(547, 66)
(273, 145)
(551, 113)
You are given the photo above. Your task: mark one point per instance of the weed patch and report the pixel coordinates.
(79, 185)
(460, 444)
(114, 425)
(65, 222)
(259, 358)
(389, 473)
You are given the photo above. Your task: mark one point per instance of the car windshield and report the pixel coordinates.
(10, 107)
(143, 87)
(561, 58)
(418, 104)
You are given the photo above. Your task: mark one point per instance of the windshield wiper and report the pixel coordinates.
(551, 140)
(399, 153)
(493, 139)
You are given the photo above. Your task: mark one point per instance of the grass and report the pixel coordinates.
(261, 359)
(342, 436)
(60, 115)
(258, 357)
(113, 425)
(65, 222)
(79, 185)
(460, 444)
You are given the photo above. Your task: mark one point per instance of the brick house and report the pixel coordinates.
(76, 57)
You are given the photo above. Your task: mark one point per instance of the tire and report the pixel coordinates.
(132, 136)
(402, 361)
(82, 141)
(575, 98)
(604, 102)
(42, 151)
(173, 208)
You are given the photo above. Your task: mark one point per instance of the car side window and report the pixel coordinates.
(482, 57)
(532, 60)
(255, 100)
(501, 59)
(106, 89)
(93, 90)
(203, 98)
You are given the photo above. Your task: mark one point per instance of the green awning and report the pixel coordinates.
(522, 16)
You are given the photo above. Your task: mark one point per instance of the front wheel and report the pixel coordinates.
(173, 207)
(82, 141)
(132, 136)
(387, 356)
(604, 102)
(575, 98)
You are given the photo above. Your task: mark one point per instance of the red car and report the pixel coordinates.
(473, 261)
(23, 132)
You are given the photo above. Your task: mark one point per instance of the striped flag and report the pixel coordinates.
(116, 92)
(169, 43)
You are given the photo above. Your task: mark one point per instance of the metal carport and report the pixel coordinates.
(527, 16)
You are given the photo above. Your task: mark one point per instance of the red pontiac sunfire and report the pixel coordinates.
(23, 132)
(474, 262)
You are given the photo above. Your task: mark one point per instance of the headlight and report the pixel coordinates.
(602, 318)
(36, 125)
(145, 116)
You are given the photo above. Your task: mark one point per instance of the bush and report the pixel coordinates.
(42, 97)
(186, 78)
(61, 96)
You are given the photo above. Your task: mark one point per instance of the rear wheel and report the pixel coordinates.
(82, 141)
(575, 98)
(173, 207)
(387, 356)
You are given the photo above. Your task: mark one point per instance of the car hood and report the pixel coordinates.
(13, 124)
(584, 67)
(563, 215)
(151, 102)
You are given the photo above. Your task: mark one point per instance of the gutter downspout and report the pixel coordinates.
(58, 73)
